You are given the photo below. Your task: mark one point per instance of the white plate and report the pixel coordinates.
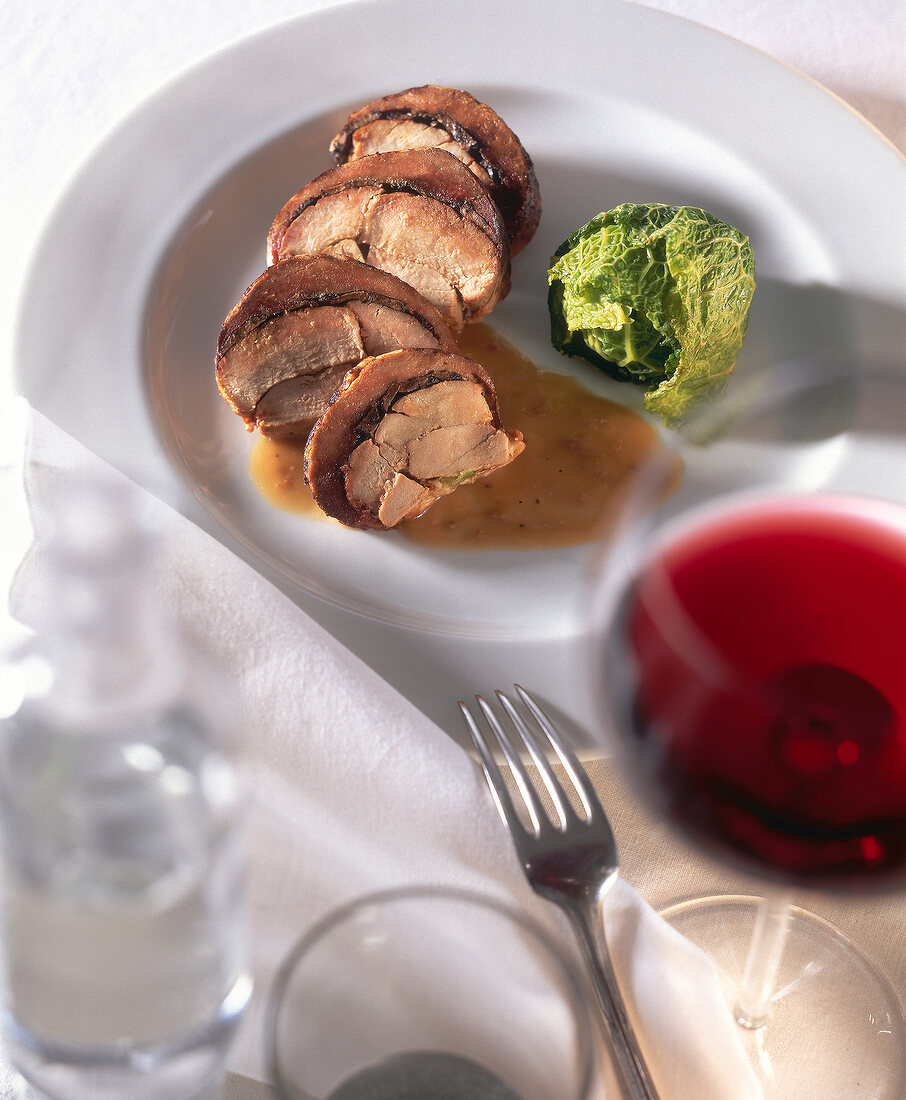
(165, 227)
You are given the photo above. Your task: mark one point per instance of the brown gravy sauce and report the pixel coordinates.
(580, 451)
(277, 468)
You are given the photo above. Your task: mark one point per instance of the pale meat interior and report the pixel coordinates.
(282, 374)
(429, 442)
(289, 366)
(449, 259)
(385, 135)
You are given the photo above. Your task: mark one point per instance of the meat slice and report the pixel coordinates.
(446, 118)
(420, 215)
(287, 344)
(403, 430)
(384, 135)
(286, 369)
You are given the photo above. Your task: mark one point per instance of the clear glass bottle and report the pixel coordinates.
(123, 866)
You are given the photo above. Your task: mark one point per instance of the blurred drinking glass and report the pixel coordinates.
(748, 654)
(435, 992)
(123, 866)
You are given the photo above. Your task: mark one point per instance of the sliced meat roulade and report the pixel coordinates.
(404, 429)
(445, 118)
(420, 215)
(287, 344)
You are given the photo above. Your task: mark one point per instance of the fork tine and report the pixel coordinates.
(551, 783)
(578, 777)
(529, 796)
(572, 865)
(492, 774)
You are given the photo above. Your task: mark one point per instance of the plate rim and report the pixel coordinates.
(162, 99)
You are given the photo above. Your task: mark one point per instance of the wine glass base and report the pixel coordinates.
(835, 1026)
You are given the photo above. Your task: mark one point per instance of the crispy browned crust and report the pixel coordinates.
(336, 434)
(430, 172)
(481, 131)
(302, 281)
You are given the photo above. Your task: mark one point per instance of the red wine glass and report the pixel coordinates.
(749, 647)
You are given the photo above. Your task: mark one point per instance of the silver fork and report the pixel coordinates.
(572, 863)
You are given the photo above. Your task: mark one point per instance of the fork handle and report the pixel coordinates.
(587, 922)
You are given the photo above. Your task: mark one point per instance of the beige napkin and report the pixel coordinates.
(353, 789)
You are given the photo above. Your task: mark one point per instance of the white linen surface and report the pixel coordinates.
(352, 788)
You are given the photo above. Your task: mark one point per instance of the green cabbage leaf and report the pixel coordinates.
(658, 295)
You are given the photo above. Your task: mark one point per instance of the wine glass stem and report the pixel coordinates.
(765, 952)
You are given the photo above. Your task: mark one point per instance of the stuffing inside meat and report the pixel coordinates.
(405, 429)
